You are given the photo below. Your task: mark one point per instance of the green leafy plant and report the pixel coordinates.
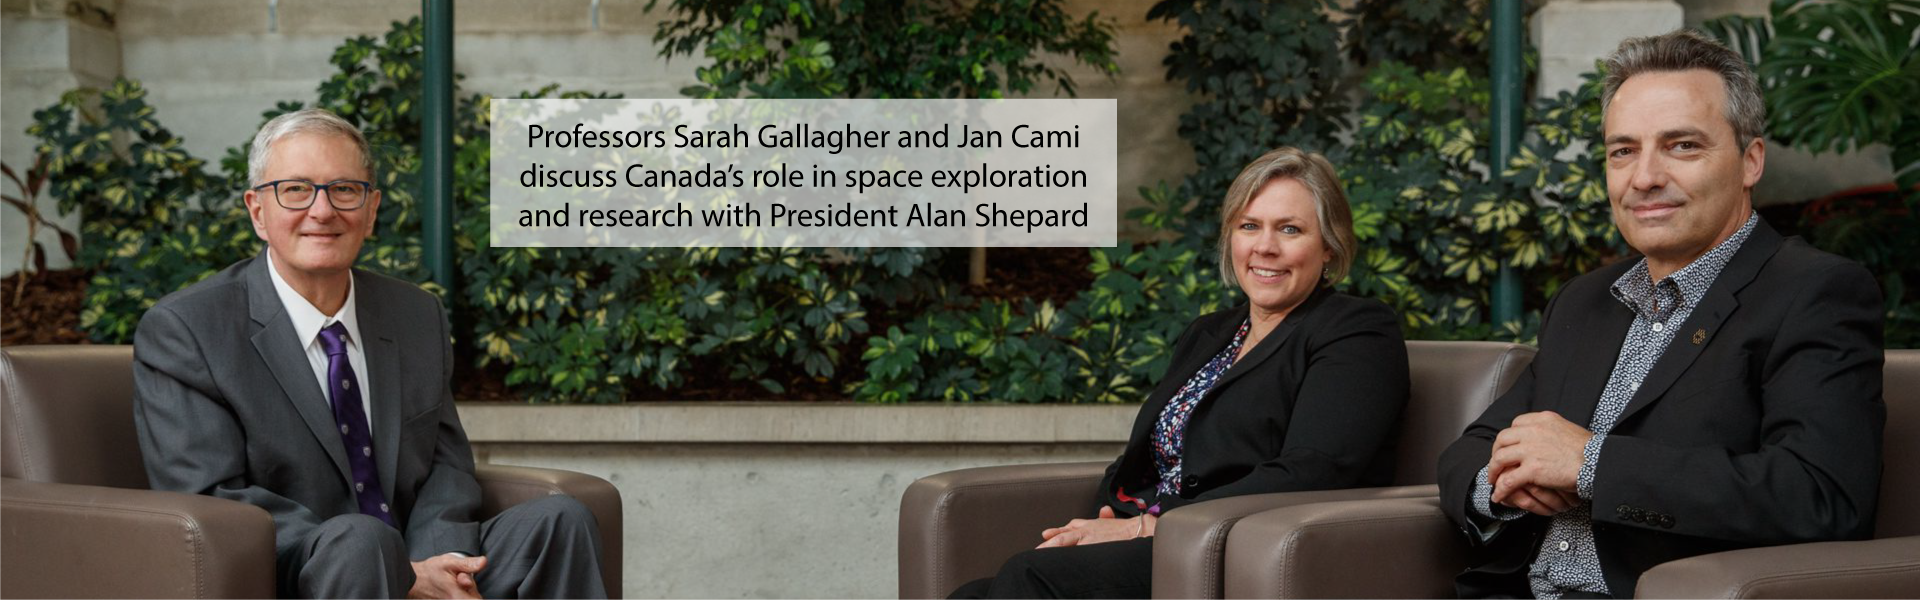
(914, 49)
(1431, 215)
(568, 325)
(1839, 74)
(880, 49)
(1266, 74)
(1108, 344)
(144, 204)
(1424, 34)
(1434, 220)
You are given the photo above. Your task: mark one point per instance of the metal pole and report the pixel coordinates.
(1508, 98)
(436, 145)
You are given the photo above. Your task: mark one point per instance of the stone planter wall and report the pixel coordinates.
(757, 500)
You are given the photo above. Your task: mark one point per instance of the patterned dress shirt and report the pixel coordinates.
(1567, 560)
(1170, 430)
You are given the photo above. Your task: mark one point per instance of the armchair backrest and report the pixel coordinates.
(1900, 462)
(69, 416)
(1452, 383)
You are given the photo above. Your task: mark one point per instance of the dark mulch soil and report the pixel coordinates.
(1056, 274)
(47, 311)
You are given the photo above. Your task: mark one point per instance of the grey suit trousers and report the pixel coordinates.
(548, 548)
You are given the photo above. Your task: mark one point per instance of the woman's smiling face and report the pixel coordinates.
(1278, 253)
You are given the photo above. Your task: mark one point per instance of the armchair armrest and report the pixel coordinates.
(1189, 544)
(83, 541)
(961, 525)
(1885, 568)
(1383, 548)
(503, 486)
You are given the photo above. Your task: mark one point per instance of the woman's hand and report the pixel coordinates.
(1107, 528)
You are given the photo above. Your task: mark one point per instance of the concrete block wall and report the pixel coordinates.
(778, 500)
(48, 50)
(769, 520)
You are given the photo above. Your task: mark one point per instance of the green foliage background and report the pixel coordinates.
(1840, 76)
(892, 325)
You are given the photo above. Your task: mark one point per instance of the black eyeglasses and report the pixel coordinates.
(298, 194)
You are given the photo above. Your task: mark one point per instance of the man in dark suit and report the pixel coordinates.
(320, 393)
(1721, 392)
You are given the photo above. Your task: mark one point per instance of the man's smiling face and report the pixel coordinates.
(320, 240)
(1676, 174)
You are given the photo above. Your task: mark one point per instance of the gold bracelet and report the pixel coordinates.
(1142, 532)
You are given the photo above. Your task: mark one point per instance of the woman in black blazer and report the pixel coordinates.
(1300, 388)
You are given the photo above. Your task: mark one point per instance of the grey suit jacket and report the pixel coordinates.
(227, 405)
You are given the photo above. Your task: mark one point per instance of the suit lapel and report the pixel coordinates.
(279, 347)
(383, 385)
(1715, 307)
(1270, 344)
(1260, 353)
(1595, 352)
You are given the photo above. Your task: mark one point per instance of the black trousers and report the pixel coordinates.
(1111, 570)
(547, 548)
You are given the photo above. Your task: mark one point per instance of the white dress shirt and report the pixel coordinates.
(307, 323)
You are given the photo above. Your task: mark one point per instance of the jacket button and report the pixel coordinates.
(1666, 521)
(1623, 511)
(1189, 481)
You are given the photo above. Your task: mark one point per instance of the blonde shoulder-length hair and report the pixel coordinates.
(1329, 205)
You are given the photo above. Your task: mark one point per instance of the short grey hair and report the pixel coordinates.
(311, 120)
(1329, 205)
(1686, 50)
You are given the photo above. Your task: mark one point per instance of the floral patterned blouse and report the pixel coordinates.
(1170, 430)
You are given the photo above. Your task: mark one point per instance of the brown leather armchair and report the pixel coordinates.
(961, 525)
(80, 521)
(1405, 548)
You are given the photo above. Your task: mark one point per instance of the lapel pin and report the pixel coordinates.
(1699, 336)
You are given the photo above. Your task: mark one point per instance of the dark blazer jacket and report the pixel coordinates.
(1760, 424)
(227, 405)
(1316, 405)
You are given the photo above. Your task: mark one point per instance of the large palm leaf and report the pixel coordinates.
(1839, 74)
(1845, 71)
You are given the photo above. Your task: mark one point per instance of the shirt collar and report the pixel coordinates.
(1691, 281)
(307, 320)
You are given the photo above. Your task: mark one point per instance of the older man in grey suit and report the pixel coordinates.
(293, 382)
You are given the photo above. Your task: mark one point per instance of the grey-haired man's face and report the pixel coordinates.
(318, 240)
(1677, 176)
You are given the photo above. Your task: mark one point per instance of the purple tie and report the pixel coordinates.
(353, 424)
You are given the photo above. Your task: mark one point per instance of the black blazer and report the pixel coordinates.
(1316, 405)
(1760, 425)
